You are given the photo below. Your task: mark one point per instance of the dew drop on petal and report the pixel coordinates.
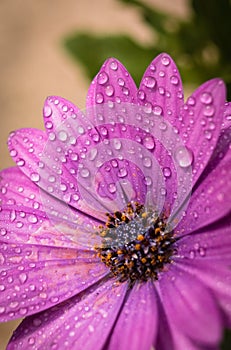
(3, 232)
(147, 108)
(84, 172)
(174, 80)
(141, 95)
(184, 157)
(114, 65)
(47, 111)
(149, 82)
(62, 135)
(191, 101)
(122, 172)
(23, 277)
(99, 98)
(165, 61)
(117, 144)
(2, 309)
(208, 134)
(157, 110)
(147, 162)
(121, 82)
(32, 219)
(147, 181)
(209, 111)
(112, 188)
(206, 98)
(13, 153)
(20, 162)
(102, 78)
(167, 172)
(109, 90)
(149, 142)
(163, 126)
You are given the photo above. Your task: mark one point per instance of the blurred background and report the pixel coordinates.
(54, 47)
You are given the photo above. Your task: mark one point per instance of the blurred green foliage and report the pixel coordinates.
(199, 44)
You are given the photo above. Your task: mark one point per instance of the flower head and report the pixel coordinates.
(115, 224)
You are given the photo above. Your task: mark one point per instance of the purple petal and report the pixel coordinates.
(212, 244)
(201, 124)
(138, 320)
(113, 83)
(216, 277)
(30, 216)
(227, 115)
(83, 322)
(190, 306)
(161, 88)
(34, 278)
(211, 199)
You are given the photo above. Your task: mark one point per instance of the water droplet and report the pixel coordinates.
(147, 162)
(54, 299)
(62, 135)
(32, 219)
(150, 82)
(99, 98)
(114, 65)
(125, 91)
(122, 172)
(31, 341)
(47, 111)
(109, 90)
(163, 191)
(174, 80)
(121, 82)
(102, 78)
(192, 254)
(2, 287)
(157, 110)
(147, 108)
(149, 142)
(2, 309)
(141, 95)
(208, 134)
(23, 277)
(162, 74)
(163, 126)
(191, 101)
(117, 144)
(161, 90)
(184, 157)
(147, 181)
(202, 251)
(13, 153)
(20, 162)
(165, 61)
(3, 231)
(104, 130)
(112, 188)
(167, 172)
(84, 172)
(206, 98)
(209, 111)
(49, 125)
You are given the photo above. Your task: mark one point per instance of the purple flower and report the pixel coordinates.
(115, 224)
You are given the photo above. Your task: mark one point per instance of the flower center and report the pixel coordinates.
(136, 244)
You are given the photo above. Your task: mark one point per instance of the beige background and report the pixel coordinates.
(34, 65)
